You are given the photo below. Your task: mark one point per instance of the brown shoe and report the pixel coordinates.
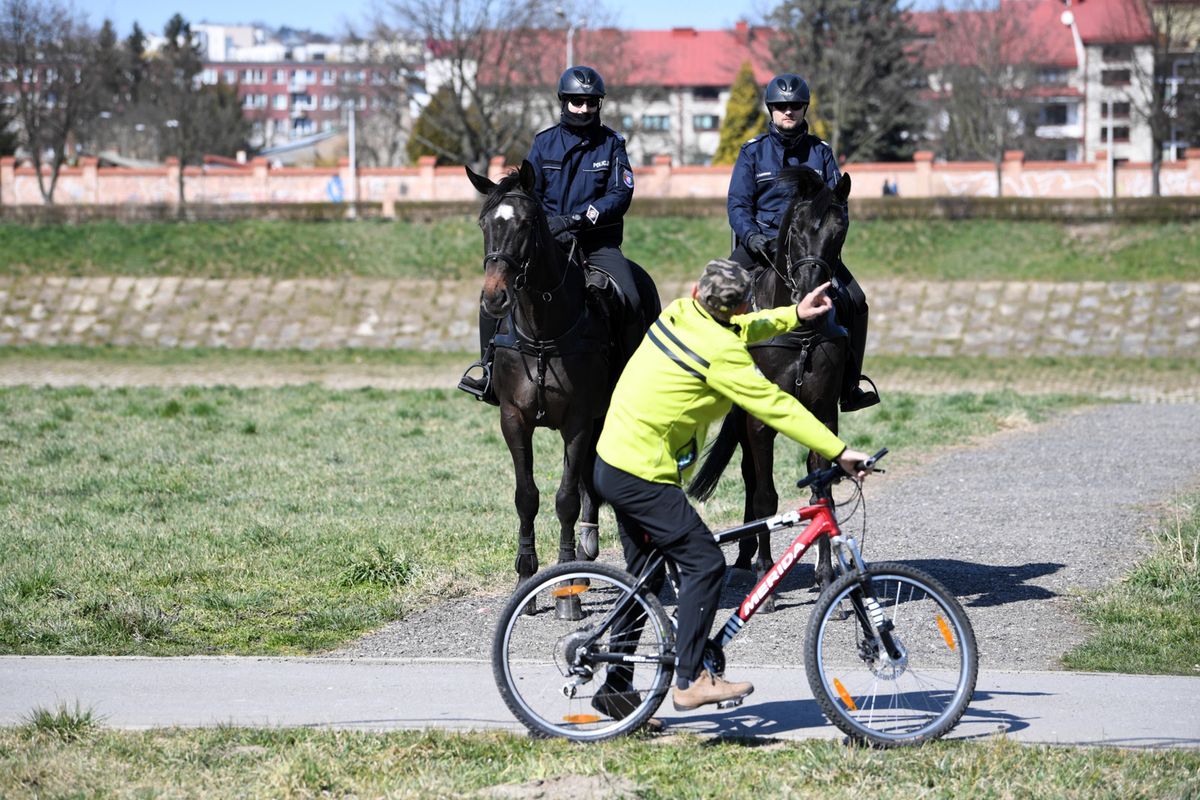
(706, 689)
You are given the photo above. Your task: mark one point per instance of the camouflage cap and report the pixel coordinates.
(723, 285)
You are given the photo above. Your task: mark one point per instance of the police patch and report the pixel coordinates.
(627, 176)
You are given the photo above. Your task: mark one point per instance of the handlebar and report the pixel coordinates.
(822, 479)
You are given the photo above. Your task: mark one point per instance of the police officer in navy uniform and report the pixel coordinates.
(757, 203)
(585, 184)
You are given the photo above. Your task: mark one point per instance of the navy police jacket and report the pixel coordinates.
(584, 171)
(756, 200)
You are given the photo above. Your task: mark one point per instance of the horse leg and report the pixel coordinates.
(519, 438)
(761, 445)
(747, 546)
(567, 502)
(828, 361)
(589, 515)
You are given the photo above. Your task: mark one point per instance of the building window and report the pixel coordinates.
(1052, 115)
(254, 76)
(627, 122)
(1114, 77)
(281, 76)
(231, 76)
(1053, 76)
(281, 102)
(706, 93)
(1116, 52)
(1120, 133)
(329, 102)
(328, 77)
(656, 122)
(209, 76)
(1119, 110)
(706, 122)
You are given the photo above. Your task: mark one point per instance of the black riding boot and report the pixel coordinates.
(480, 386)
(854, 397)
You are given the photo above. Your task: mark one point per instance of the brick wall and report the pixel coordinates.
(257, 182)
(913, 318)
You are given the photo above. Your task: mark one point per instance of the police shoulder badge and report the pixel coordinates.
(627, 177)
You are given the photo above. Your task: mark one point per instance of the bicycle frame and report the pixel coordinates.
(821, 521)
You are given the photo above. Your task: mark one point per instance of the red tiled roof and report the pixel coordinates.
(691, 57)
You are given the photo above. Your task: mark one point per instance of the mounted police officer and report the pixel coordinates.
(585, 184)
(757, 203)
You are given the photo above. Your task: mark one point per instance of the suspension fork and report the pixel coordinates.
(875, 624)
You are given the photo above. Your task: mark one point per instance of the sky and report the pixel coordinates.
(331, 16)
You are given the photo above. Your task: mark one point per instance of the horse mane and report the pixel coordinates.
(807, 186)
(509, 183)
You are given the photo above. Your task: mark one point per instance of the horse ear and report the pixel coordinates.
(527, 176)
(481, 184)
(842, 190)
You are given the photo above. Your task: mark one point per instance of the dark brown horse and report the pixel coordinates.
(555, 361)
(806, 363)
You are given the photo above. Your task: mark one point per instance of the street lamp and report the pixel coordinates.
(562, 14)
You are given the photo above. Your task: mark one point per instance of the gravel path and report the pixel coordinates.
(1015, 527)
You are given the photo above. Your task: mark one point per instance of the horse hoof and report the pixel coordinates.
(530, 608)
(568, 608)
(589, 544)
(768, 605)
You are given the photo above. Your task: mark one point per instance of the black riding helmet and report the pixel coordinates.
(580, 82)
(787, 88)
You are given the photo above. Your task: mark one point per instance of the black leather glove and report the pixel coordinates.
(563, 223)
(758, 245)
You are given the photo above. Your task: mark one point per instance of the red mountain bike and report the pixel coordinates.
(890, 654)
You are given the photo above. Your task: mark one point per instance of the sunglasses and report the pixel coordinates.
(789, 106)
(590, 102)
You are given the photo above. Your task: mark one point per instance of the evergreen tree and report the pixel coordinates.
(856, 57)
(745, 117)
(429, 137)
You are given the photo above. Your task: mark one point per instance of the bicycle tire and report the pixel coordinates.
(529, 654)
(868, 696)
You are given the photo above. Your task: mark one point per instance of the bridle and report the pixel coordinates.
(787, 275)
(522, 267)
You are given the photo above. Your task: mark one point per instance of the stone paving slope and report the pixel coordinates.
(1015, 527)
(989, 318)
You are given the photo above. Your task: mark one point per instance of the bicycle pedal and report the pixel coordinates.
(734, 703)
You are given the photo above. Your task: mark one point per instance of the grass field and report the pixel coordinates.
(1150, 621)
(671, 248)
(60, 760)
(222, 520)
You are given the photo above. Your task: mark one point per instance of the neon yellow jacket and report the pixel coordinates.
(686, 373)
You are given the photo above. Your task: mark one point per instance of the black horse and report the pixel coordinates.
(557, 354)
(806, 363)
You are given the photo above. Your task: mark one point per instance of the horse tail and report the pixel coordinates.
(719, 454)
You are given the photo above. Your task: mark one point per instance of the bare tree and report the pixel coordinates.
(191, 118)
(984, 60)
(857, 58)
(1170, 30)
(47, 50)
(385, 85)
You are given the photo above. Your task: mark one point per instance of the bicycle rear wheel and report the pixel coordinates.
(550, 671)
(915, 695)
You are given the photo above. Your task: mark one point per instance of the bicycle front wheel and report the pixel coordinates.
(597, 676)
(914, 691)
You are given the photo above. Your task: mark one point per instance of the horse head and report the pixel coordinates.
(513, 226)
(812, 232)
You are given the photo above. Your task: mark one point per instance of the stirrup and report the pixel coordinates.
(479, 387)
(859, 398)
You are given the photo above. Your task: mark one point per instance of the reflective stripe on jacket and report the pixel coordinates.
(756, 200)
(686, 373)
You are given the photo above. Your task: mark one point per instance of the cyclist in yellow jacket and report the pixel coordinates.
(690, 368)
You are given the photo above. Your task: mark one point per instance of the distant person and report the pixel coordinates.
(585, 184)
(757, 202)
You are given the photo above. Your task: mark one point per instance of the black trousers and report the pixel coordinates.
(658, 515)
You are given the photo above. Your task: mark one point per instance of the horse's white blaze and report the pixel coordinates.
(504, 211)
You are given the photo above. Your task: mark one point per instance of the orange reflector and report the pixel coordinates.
(569, 591)
(581, 719)
(846, 698)
(947, 634)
